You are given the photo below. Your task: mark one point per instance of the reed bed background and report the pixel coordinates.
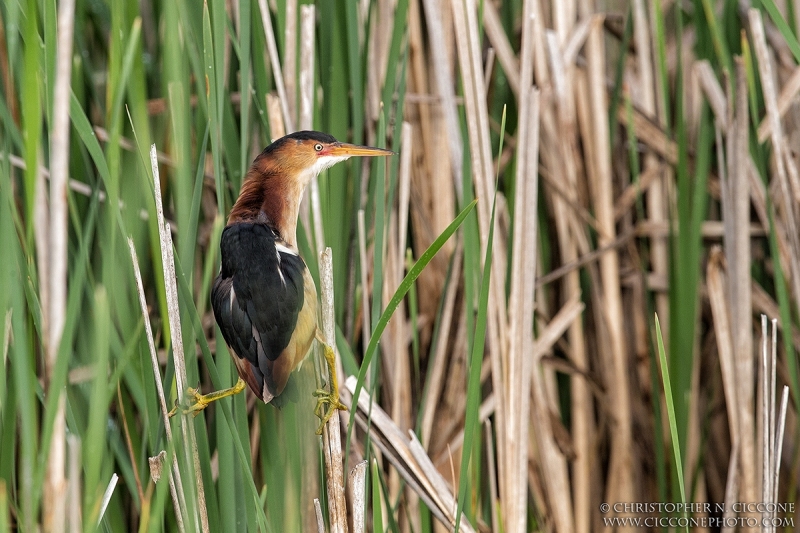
(567, 170)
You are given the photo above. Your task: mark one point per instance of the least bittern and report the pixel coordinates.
(264, 298)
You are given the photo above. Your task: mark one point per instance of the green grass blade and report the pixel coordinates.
(471, 425)
(377, 512)
(783, 27)
(673, 425)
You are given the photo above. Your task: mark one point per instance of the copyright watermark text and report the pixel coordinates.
(693, 515)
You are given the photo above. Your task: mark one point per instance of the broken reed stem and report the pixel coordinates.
(318, 514)
(331, 436)
(173, 310)
(764, 426)
(357, 490)
(176, 483)
(772, 391)
(407, 455)
(107, 497)
(778, 443)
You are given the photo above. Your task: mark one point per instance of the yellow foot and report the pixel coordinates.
(331, 399)
(323, 396)
(194, 402)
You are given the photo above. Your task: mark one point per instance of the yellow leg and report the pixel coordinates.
(323, 396)
(201, 401)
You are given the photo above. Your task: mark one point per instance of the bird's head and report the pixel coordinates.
(279, 175)
(302, 155)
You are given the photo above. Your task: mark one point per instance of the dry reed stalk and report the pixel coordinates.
(74, 503)
(627, 199)
(496, 34)
(290, 62)
(319, 517)
(404, 199)
(443, 87)
(555, 482)
(331, 436)
(785, 99)
(540, 67)
(650, 134)
(620, 487)
(786, 179)
(737, 245)
(303, 110)
(173, 311)
(564, 14)
(713, 91)
(469, 59)
(275, 64)
(433, 197)
(492, 471)
(366, 326)
(710, 229)
(583, 426)
(778, 440)
(175, 480)
(764, 304)
(309, 203)
(577, 37)
(553, 330)
(555, 186)
(773, 424)
(723, 288)
(437, 175)
(357, 492)
(720, 305)
(560, 128)
(399, 327)
(656, 205)
(731, 488)
(435, 378)
(112, 484)
(764, 430)
(54, 273)
(523, 273)
(307, 97)
(469, 56)
(41, 235)
(788, 182)
(276, 125)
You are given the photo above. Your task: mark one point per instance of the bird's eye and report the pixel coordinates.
(318, 147)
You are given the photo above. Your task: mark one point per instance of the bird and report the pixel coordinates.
(264, 299)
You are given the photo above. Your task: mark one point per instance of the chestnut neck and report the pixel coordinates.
(270, 197)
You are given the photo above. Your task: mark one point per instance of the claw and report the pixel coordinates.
(323, 396)
(196, 402)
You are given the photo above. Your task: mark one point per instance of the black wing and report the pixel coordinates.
(256, 297)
